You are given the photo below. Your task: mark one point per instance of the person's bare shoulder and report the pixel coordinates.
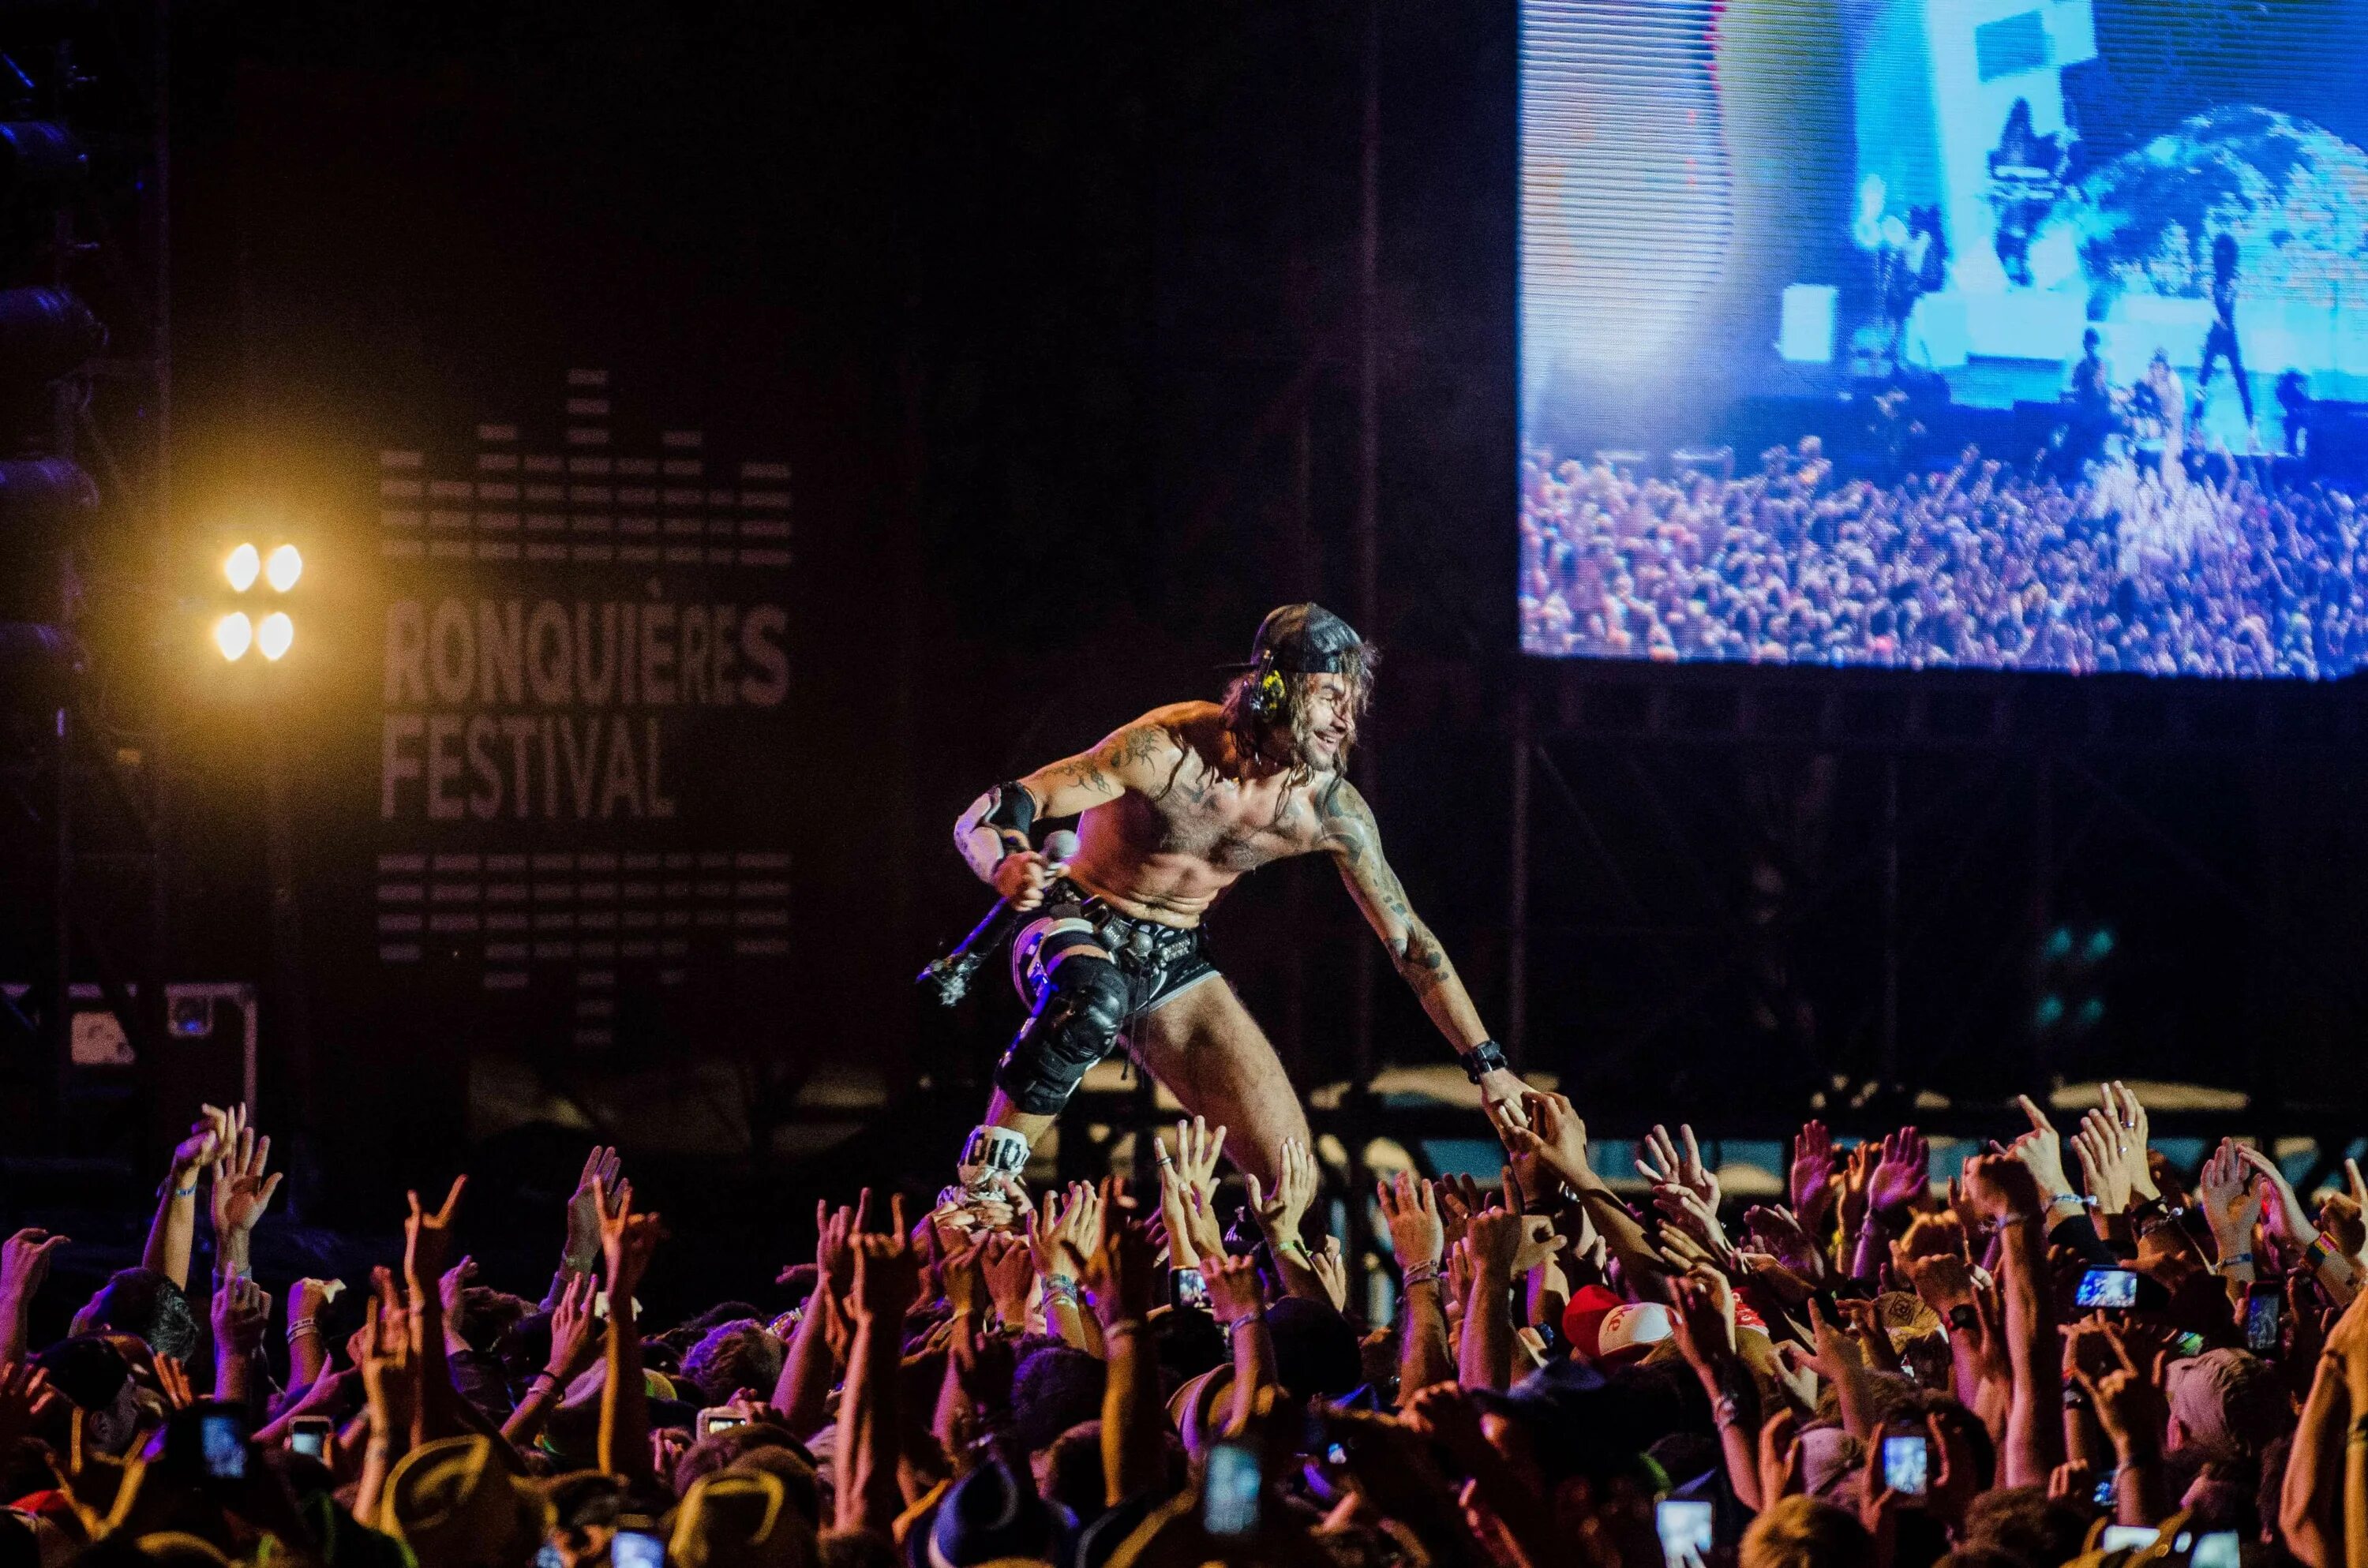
(1144, 753)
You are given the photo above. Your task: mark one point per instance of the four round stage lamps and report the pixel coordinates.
(272, 633)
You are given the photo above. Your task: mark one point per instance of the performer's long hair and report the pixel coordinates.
(1284, 735)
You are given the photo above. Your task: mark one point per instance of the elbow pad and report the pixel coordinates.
(997, 822)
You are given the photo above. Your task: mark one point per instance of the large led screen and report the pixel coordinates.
(2004, 334)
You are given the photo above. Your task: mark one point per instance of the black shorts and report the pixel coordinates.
(1160, 962)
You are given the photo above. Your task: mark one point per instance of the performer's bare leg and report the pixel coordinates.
(1213, 1057)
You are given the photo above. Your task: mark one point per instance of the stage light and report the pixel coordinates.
(275, 634)
(282, 568)
(242, 567)
(233, 634)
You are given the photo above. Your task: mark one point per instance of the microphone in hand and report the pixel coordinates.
(948, 979)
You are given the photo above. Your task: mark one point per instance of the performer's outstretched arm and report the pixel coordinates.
(1354, 841)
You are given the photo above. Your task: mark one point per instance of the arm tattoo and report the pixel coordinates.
(1348, 826)
(1085, 773)
(1421, 962)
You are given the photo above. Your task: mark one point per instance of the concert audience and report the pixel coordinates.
(1876, 1372)
(1981, 565)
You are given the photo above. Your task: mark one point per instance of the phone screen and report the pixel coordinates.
(2214, 1549)
(1685, 1527)
(2127, 1538)
(221, 1442)
(2107, 1287)
(636, 1549)
(2261, 1310)
(719, 1420)
(312, 1445)
(1905, 1465)
(1229, 1491)
(2103, 1495)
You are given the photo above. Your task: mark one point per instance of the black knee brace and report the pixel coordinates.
(1074, 1025)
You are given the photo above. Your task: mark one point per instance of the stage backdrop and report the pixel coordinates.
(2019, 333)
(586, 727)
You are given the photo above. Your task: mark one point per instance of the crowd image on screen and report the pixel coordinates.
(2128, 565)
(2053, 1344)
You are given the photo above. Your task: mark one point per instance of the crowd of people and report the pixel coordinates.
(2064, 1338)
(2134, 567)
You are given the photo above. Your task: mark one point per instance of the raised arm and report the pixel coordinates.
(1353, 839)
(1001, 823)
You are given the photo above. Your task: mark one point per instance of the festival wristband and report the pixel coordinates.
(1420, 1273)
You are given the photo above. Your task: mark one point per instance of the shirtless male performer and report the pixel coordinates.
(1175, 808)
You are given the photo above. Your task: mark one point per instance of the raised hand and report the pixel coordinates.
(1197, 1146)
(628, 1239)
(2128, 1405)
(201, 1148)
(1933, 1258)
(1061, 1236)
(1670, 1165)
(2279, 1200)
(2232, 1204)
(1781, 1234)
(1902, 1172)
(1460, 1197)
(1331, 1271)
(1410, 1210)
(456, 1281)
(310, 1298)
(25, 1263)
(1188, 1188)
(1858, 1181)
(1684, 1208)
(2123, 1110)
(2098, 1147)
(241, 1192)
(834, 1232)
(1279, 1213)
(1810, 1180)
(573, 1342)
(242, 1311)
(1555, 1135)
(1495, 1239)
(1010, 1275)
(1236, 1292)
(1705, 1321)
(2001, 1187)
(427, 1238)
(2041, 1151)
(1119, 1271)
(584, 1212)
(887, 1270)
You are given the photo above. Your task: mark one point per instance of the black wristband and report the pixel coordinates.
(1483, 1059)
